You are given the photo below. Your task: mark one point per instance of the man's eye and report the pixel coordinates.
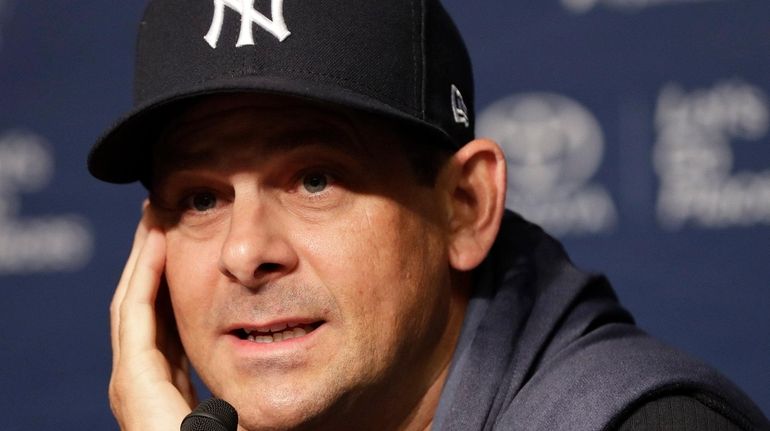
(203, 201)
(315, 182)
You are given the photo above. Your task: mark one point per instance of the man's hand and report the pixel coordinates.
(150, 387)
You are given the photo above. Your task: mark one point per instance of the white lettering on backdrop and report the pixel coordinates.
(583, 6)
(694, 156)
(35, 244)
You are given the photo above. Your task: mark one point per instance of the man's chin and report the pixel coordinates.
(280, 409)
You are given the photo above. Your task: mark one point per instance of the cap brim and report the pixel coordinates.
(124, 153)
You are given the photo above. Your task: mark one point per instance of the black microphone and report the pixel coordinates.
(211, 415)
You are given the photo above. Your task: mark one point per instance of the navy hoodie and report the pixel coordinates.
(545, 346)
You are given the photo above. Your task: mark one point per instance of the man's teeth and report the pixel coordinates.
(278, 333)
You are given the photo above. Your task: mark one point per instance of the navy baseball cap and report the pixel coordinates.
(403, 59)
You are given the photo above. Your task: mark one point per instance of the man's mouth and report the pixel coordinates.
(277, 333)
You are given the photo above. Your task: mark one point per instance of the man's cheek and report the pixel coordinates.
(191, 272)
(186, 255)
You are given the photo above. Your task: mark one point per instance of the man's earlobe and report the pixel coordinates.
(477, 201)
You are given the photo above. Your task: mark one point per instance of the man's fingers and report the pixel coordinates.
(120, 292)
(137, 326)
(144, 388)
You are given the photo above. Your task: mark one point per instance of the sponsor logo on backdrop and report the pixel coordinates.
(249, 16)
(693, 156)
(41, 243)
(554, 146)
(582, 6)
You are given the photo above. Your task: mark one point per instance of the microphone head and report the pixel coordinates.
(211, 415)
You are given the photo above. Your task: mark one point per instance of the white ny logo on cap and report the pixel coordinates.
(276, 26)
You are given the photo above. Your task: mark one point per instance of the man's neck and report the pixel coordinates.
(421, 418)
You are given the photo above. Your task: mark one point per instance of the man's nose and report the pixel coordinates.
(257, 248)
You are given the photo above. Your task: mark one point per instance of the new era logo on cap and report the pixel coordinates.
(275, 25)
(459, 110)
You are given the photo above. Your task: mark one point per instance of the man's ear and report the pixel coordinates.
(477, 180)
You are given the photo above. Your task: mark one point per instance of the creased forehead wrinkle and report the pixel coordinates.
(196, 139)
(209, 151)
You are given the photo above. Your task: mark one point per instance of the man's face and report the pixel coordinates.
(307, 268)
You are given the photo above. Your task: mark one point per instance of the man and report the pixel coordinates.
(326, 242)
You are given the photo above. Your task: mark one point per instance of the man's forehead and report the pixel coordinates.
(270, 122)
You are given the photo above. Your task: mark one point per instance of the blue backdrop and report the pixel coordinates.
(637, 131)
